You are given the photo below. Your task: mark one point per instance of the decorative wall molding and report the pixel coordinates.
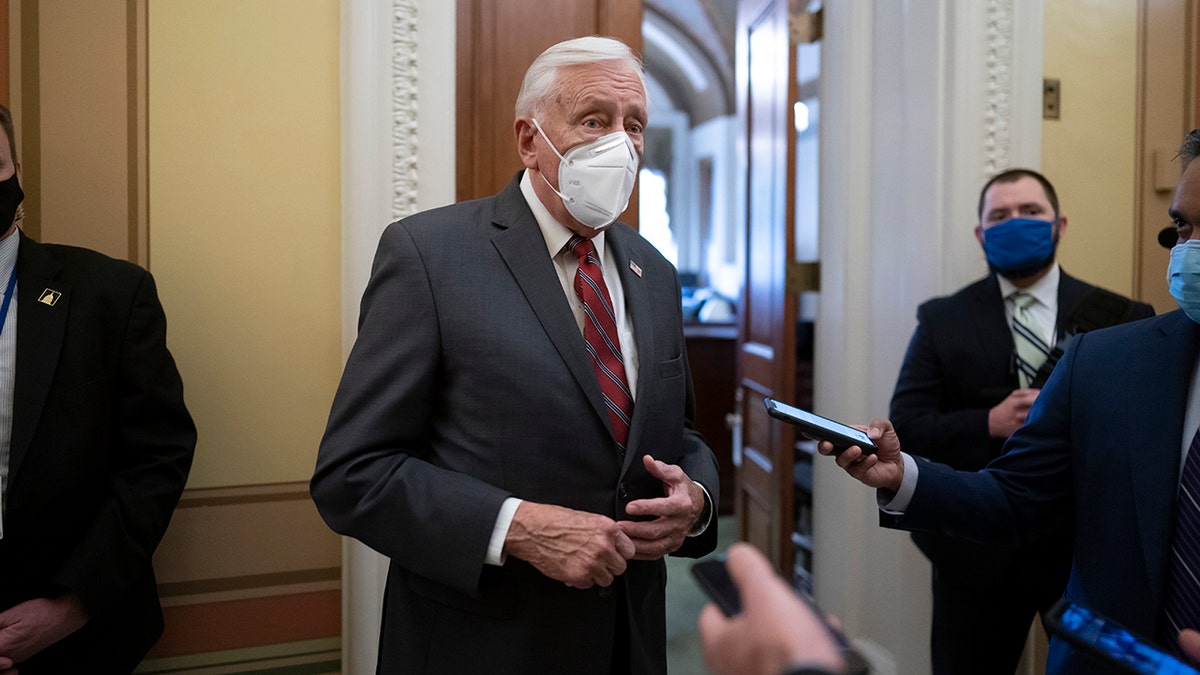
(998, 99)
(379, 103)
(405, 106)
(387, 74)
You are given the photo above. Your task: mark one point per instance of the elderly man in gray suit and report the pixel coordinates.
(513, 428)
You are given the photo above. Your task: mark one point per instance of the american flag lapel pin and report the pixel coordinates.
(637, 269)
(49, 297)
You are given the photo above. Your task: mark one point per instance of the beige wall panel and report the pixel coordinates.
(247, 542)
(241, 532)
(1091, 47)
(84, 124)
(244, 225)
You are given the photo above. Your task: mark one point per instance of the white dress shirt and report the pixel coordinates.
(8, 363)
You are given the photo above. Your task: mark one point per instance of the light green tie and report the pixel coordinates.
(1032, 350)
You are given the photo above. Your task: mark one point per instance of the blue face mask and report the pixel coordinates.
(1183, 277)
(1019, 247)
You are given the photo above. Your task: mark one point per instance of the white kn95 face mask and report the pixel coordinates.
(595, 179)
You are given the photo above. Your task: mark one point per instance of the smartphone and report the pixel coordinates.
(712, 576)
(821, 428)
(1111, 643)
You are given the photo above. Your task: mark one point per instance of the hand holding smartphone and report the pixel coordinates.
(1110, 642)
(842, 436)
(713, 576)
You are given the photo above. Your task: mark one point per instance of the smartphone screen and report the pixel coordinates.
(823, 428)
(1111, 642)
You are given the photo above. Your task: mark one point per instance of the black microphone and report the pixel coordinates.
(1167, 237)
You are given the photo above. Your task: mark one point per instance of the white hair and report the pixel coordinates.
(541, 79)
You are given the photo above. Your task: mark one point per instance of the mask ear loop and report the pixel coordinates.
(561, 159)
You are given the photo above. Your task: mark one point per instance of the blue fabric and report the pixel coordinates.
(1183, 277)
(1100, 452)
(1019, 247)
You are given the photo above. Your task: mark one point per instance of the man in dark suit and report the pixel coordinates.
(95, 448)
(962, 391)
(482, 436)
(1107, 448)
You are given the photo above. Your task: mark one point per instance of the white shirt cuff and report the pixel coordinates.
(896, 504)
(699, 528)
(495, 551)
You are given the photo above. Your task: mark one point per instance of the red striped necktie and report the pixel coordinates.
(1181, 596)
(600, 336)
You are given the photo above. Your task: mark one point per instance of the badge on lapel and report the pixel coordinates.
(637, 269)
(49, 297)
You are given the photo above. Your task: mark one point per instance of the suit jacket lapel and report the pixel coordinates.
(523, 249)
(1155, 424)
(988, 316)
(1071, 292)
(40, 331)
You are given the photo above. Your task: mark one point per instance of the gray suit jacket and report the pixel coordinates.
(469, 383)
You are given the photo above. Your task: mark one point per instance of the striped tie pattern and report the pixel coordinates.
(600, 336)
(1181, 595)
(1032, 350)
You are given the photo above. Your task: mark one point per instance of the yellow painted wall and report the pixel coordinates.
(244, 225)
(1091, 47)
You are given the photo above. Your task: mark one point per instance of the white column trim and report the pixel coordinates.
(920, 103)
(405, 107)
(397, 158)
(368, 174)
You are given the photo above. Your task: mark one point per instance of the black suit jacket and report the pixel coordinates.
(469, 383)
(1102, 448)
(958, 365)
(101, 448)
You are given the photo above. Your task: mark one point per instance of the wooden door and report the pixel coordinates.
(496, 43)
(767, 312)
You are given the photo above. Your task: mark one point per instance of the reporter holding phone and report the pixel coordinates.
(776, 633)
(1111, 448)
(973, 368)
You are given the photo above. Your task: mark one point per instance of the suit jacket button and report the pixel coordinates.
(621, 491)
(605, 591)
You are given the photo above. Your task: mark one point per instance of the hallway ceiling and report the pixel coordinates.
(689, 55)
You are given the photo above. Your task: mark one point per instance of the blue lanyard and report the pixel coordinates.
(8, 293)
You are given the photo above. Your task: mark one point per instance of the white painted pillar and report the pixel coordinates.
(921, 102)
(397, 158)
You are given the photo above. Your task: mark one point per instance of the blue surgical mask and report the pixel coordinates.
(1020, 247)
(1183, 277)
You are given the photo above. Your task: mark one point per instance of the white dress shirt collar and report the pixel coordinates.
(556, 234)
(1044, 289)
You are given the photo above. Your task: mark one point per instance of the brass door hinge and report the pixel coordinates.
(805, 27)
(803, 276)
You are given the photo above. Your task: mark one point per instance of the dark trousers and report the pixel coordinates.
(985, 598)
(981, 629)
